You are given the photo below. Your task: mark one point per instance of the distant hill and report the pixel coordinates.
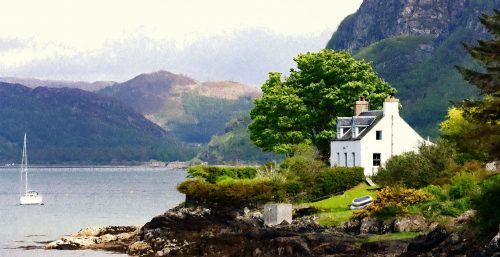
(32, 82)
(235, 146)
(192, 111)
(414, 45)
(69, 125)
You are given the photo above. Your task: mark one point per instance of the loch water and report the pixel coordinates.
(79, 197)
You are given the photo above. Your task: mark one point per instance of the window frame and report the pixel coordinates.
(378, 135)
(376, 161)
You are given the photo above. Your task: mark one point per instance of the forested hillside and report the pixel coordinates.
(414, 45)
(75, 126)
(192, 111)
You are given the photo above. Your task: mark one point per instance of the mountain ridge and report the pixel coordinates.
(414, 45)
(70, 125)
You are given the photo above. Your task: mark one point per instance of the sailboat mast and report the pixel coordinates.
(25, 164)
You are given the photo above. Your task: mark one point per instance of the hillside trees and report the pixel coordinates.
(302, 108)
(483, 113)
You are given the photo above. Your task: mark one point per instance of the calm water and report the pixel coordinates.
(78, 197)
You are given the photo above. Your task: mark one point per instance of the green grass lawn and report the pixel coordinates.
(389, 236)
(335, 210)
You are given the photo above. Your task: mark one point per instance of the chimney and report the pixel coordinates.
(391, 106)
(360, 106)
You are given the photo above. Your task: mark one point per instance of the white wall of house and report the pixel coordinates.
(341, 149)
(397, 137)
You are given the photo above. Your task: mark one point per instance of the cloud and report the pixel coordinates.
(245, 56)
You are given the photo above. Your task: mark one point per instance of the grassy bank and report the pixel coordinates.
(335, 210)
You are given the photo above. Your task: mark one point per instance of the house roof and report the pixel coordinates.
(366, 119)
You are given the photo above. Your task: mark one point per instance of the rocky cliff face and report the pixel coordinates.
(376, 20)
(414, 45)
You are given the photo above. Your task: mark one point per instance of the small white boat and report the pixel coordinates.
(361, 202)
(29, 196)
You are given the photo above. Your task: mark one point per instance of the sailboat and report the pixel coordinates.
(29, 196)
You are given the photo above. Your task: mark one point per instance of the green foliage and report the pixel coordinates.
(415, 170)
(337, 179)
(303, 107)
(235, 146)
(205, 116)
(336, 208)
(390, 56)
(392, 201)
(74, 126)
(237, 192)
(303, 165)
(463, 185)
(487, 205)
(484, 113)
(214, 173)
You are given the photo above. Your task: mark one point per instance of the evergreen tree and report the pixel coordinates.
(484, 113)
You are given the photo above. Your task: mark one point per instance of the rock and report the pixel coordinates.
(412, 223)
(387, 226)
(125, 236)
(466, 216)
(115, 238)
(72, 243)
(369, 226)
(139, 248)
(494, 244)
(351, 226)
(108, 238)
(431, 240)
(89, 231)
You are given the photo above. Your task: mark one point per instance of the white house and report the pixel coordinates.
(369, 138)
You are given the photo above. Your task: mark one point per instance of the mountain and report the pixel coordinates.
(192, 111)
(69, 125)
(235, 146)
(414, 45)
(32, 82)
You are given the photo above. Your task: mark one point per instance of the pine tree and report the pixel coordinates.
(484, 113)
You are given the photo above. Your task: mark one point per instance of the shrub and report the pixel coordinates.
(336, 179)
(416, 170)
(212, 173)
(243, 192)
(487, 205)
(463, 185)
(391, 201)
(239, 192)
(438, 192)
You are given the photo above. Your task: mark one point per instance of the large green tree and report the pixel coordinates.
(303, 107)
(483, 113)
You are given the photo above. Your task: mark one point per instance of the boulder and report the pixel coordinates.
(369, 226)
(71, 243)
(139, 248)
(89, 231)
(409, 223)
(387, 226)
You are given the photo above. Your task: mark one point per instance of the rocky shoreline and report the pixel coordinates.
(225, 232)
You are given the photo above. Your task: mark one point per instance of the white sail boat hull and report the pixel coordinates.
(31, 198)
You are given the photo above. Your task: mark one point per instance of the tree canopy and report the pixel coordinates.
(302, 108)
(483, 114)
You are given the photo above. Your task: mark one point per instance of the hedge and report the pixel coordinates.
(336, 179)
(214, 173)
(238, 192)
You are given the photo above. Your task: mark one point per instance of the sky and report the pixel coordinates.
(90, 40)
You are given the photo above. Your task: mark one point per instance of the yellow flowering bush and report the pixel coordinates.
(391, 201)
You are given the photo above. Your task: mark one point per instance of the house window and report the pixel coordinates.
(338, 158)
(345, 155)
(376, 159)
(378, 134)
(353, 159)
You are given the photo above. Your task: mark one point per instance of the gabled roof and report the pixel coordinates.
(366, 119)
